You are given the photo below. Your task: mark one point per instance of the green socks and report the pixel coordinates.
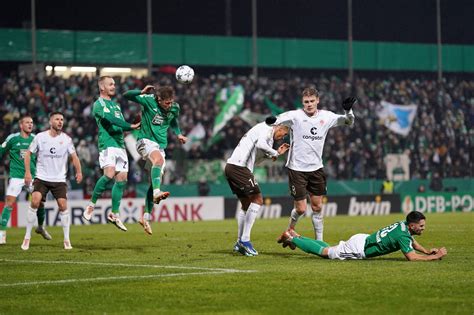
(149, 200)
(156, 177)
(40, 214)
(117, 192)
(100, 187)
(310, 246)
(7, 211)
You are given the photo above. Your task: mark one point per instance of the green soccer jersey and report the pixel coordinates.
(17, 146)
(155, 120)
(389, 239)
(109, 118)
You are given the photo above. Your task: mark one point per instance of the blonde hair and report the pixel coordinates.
(310, 91)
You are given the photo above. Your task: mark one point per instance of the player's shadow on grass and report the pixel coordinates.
(261, 253)
(111, 247)
(385, 259)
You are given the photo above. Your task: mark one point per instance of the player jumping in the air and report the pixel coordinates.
(159, 113)
(112, 157)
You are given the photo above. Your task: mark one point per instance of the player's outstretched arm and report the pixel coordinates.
(77, 166)
(174, 125)
(417, 246)
(348, 118)
(147, 89)
(348, 103)
(27, 160)
(413, 256)
(133, 95)
(6, 146)
(3, 149)
(285, 118)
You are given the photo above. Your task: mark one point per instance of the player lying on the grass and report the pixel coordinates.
(17, 144)
(254, 146)
(398, 236)
(113, 157)
(159, 113)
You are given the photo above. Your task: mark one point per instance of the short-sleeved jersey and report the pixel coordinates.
(307, 136)
(155, 120)
(389, 239)
(52, 154)
(254, 146)
(17, 146)
(110, 135)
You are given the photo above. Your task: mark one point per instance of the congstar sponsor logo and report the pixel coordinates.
(313, 136)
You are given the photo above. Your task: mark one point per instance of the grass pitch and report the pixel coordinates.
(190, 268)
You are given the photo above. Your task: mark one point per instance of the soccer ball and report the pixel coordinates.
(185, 74)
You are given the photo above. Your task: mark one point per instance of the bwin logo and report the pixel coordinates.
(314, 130)
(52, 150)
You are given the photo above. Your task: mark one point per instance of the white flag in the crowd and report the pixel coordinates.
(251, 118)
(194, 136)
(398, 118)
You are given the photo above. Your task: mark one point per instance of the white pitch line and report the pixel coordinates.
(108, 264)
(16, 284)
(208, 271)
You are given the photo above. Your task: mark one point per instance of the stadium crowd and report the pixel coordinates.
(440, 139)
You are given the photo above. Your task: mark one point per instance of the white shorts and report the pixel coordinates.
(114, 157)
(15, 185)
(145, 147)
(353, 248)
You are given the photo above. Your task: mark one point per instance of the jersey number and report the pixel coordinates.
(253, 182)
(157, 120)
(388, 229)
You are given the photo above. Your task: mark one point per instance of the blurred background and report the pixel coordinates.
(410, 64)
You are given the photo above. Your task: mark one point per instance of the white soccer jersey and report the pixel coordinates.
(308, 135)
(254, 146)
(52, 154)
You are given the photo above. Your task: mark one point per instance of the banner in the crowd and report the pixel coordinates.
(170, 210)
(277, 207)
(231, 108)
(438, 202)
(398, 118)
(274, 108)
(195, 136)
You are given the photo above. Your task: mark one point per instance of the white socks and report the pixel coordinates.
(147, 216)
(294, 217)
(65, 222)
(318, 225)
(240, 223)
(249, 220)
(30, 221)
